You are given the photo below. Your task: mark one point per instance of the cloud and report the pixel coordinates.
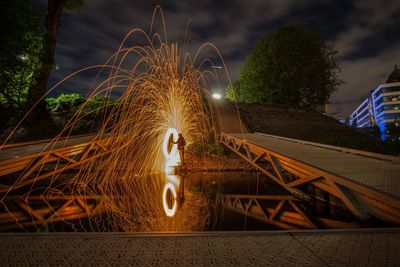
(370, 17)
(360, 30)
(367, 61)
(362, 76)
(91, 35)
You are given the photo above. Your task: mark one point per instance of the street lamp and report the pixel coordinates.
(216, 96)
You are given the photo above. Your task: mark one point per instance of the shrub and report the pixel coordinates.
(65, 101)
(209, 146)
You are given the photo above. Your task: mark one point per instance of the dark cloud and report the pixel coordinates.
(365, 33)
(369, 47)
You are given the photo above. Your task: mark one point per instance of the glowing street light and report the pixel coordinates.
(216, 96)
(23, 57)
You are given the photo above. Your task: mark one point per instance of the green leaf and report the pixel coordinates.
(290, 65)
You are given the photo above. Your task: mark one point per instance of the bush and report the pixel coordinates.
(65, 101)
(65, 107)
(209, 146)
(98, 103)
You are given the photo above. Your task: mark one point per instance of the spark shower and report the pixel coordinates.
(164, 91)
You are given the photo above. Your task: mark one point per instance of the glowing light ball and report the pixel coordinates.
(171, 155)
(172, 159)
(169, 211)
(171, 178)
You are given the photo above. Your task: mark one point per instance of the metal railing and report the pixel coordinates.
(362, 200)
(283, 211)
(19, 172)
(34, 211)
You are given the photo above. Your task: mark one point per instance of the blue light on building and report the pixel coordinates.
(381, 108)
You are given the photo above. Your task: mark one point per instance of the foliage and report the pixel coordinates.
(20, 48)
(65, 101)
(74, 5)
(207, 147)
(46, 57)
(65, 107)
(289, 66)
(392, 130)
(394, 75)
(232, 92)
(71, 103)
(99, 103)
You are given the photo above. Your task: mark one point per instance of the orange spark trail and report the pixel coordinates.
(163, 94)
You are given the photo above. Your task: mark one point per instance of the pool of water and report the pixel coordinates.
(204, 201)
(238, 201)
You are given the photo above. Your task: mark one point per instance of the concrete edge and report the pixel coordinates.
(206, 234)
(358, 152)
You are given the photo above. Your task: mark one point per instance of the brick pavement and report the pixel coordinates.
(377, 247)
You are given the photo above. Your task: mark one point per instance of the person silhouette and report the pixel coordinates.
(181, 147)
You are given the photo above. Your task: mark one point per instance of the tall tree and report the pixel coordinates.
(54, 11)
(289, 66)
(232, 91)
(394, 76)
(20, 48)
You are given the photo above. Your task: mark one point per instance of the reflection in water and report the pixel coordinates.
(193, 203)
(168, 208)
(173, 178)
(172, 199)
(172, 159)
(181, 191)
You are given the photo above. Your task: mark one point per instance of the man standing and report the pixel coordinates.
(181, 147)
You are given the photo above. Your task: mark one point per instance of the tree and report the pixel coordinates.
(20, 48)
(54, 10)
(290, 66)
(394, 76)
(392, 131)
(232, 92)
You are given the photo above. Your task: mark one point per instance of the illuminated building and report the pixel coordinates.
(381, 108)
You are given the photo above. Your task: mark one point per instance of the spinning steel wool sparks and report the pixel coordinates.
(162, 93)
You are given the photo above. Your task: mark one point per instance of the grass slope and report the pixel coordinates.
(309, 125)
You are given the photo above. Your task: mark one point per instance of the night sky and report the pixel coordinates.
(366, 34)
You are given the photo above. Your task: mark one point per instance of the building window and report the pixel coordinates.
(377, 93)
(391, 107)
(391, 89)
(391, 98)
(379, 110)
(391, 116)
(379, 101)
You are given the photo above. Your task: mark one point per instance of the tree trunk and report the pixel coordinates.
(39, 88)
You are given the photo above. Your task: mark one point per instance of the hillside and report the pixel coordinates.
(309, 125)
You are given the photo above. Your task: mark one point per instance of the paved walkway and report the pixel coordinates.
(228, 117)
(23, 149)
(380, 174)
(377, 247)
